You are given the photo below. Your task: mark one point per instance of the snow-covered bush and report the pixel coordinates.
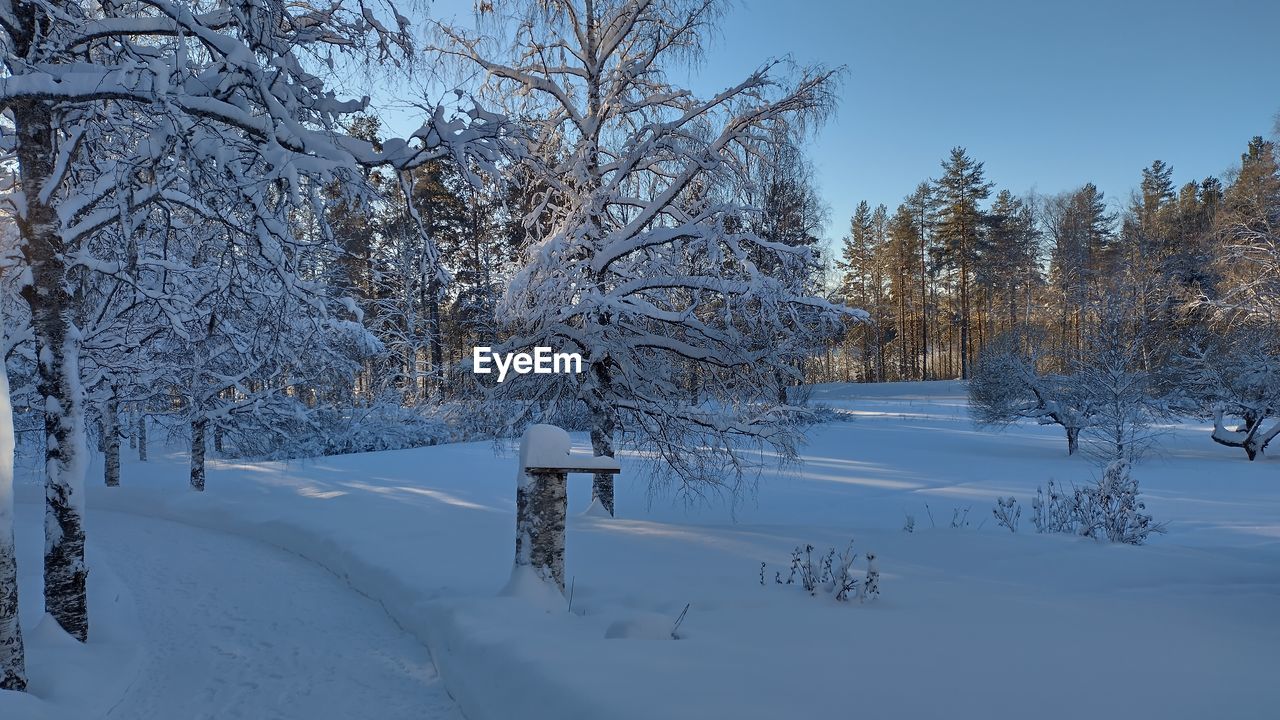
(1106, 509)
(384, 426)
(831, 573)
(1007, 512)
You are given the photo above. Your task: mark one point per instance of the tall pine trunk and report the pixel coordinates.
(13, 670)
(964, 320)
(924, 304)
(435, 339)
(58, 378)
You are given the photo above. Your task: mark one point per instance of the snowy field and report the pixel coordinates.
(326, 588)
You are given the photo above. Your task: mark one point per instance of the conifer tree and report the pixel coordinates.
(961, 224)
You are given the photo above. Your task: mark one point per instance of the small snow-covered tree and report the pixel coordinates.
(1104, 395)
(124, 107)
(1125, 399)
(1008, 385)
(646, 259)
(1236, 376)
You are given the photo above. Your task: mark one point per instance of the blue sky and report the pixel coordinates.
(1048, 95)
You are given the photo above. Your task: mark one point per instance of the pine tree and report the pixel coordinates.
(903, 238)
(961, 188)
(923, 205)
(858, 283)
(1011, 253)
(1081, 259)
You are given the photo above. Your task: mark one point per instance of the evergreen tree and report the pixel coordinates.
(960, 227)
(923, 206)
(1081, 259)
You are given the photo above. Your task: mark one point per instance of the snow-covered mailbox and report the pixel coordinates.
(542, 500)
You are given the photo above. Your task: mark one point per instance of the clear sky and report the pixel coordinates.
(1049, 95)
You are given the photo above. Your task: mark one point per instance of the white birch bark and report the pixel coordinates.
(111, 440)
(13, 675)
(541, 506)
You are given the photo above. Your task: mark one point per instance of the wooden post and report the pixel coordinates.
(542, 502)
(542, 499)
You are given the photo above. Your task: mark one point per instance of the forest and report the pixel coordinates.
(211, 245)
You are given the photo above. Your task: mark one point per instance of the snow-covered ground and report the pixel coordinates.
(973, 622)
(202, 625)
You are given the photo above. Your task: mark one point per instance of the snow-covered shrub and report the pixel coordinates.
(1007, 513)
(1108, 508)
(831, 573)
(870, 589)
(381, 427)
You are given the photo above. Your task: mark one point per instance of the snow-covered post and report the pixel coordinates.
(13, 674)
(542, 499)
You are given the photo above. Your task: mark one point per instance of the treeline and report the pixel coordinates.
(957, 265)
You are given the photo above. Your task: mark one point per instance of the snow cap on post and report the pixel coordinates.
(547, 447)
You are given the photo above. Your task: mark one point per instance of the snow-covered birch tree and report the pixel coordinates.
(13, 674)
(121, 107)
(645, 260)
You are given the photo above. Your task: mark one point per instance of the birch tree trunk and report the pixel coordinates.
(142, 437)
(58, 379)
(111, 441)
(13, 672)
(603, 424)
(197, 453)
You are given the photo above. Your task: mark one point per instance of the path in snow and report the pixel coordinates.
(238, 629)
